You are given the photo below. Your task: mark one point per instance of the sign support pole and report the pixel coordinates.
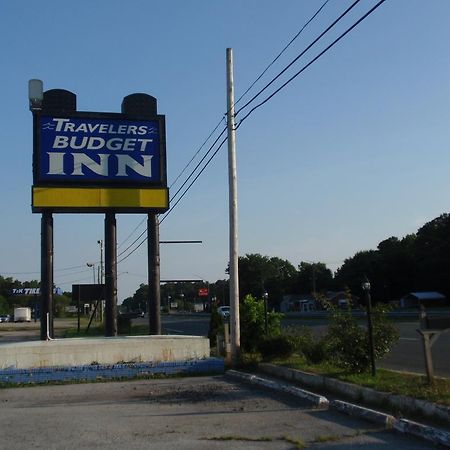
(110, 274)
(154, 290)
(232, 182)
(46, 276)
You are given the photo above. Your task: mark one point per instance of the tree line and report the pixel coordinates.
(416, 262)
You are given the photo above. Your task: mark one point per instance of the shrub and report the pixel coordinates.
(349, 343)
(281, 346)
(252, 323)
(384, 332)
(314, 349)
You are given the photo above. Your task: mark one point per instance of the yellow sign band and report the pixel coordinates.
(98, 198)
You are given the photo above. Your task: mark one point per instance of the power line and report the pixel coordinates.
(256, 107)
(174, 196)
(285, 84)
(215, 129)
(198, 165)
(299, 56)
(131, 245)
(132, 251)
(195, 179)
(131, 234)
(178, 201)
(198, 151)
(312, 61)
(37, 272)
(282, 51)
(223, 131)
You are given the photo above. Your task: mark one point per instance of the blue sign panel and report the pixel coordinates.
(78, 150)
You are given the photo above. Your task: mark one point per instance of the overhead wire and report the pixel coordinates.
(325, 50)
(368, 13)
(197, 152)
(216, 140)
(248, 114)
(282, 51)
(177, 202)
(256, 107)
(321, 35)
(195, 179)
(251, 87)
(131, 234)
(218, 124)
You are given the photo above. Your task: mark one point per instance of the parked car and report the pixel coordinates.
(224, 311)
(5, 318)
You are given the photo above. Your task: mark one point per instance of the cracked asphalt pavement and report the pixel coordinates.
(178, 413)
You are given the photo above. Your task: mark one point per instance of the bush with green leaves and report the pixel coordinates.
(281, 346)
(314, 349)
(348, 342)
(252, 323)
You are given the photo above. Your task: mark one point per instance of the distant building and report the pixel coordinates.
(298, 303)
(430, 298)
(341, 299)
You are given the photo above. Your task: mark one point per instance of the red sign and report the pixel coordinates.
(203, 292)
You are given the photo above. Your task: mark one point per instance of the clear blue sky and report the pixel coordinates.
(353, 151)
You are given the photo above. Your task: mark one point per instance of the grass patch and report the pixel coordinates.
(386, 380)
(326, 438)
(299, 444)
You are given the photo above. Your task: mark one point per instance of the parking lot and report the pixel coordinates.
(185, 413)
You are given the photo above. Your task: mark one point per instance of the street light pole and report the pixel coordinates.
(93, 269)
(100, 278)
(366, 289)
(265, 297)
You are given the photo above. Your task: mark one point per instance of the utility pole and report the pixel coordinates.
(233, 213)
(154, 282)
(110, 274)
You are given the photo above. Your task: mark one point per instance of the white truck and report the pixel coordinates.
(22, 314)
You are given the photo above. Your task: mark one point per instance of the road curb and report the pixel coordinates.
(423, 431)
(405, 426)
(371, 415)
(357, 393)
(317, 400)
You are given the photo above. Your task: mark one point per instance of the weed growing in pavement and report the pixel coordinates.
(299, 444)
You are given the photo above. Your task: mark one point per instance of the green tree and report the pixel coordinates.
(398, 266)
(259, 274)
(354, 270)
(313, 277)
(432, 248)
(4, 306)
(61, 301)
